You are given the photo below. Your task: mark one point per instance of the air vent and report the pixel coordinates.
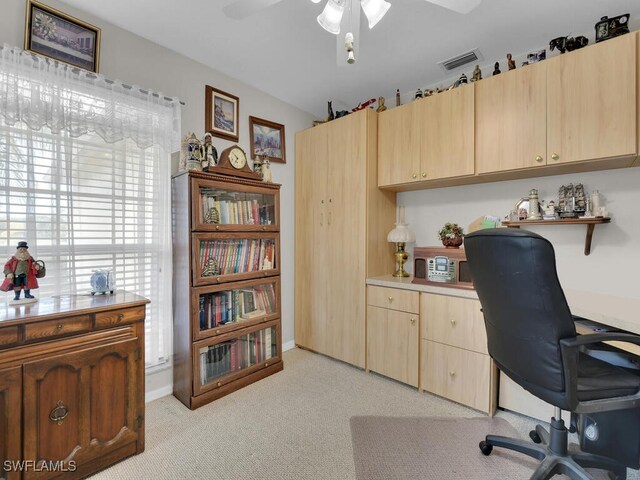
(456, 62)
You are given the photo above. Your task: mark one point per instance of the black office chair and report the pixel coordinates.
(532, 337)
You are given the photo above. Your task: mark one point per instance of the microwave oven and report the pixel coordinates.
(440, 266)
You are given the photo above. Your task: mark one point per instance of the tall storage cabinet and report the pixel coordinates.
(226, 239)
(342, 220)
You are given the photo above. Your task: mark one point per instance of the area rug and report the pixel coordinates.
(435, 448)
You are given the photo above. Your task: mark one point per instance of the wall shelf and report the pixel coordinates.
(589, 222)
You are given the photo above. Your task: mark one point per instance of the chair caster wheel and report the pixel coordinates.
(535, 437)
(485, 448)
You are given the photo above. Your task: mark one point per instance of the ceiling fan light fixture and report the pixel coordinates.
(331, 16)
(375, 10)
(315, 1)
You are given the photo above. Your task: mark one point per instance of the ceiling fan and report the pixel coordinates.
(334, 20)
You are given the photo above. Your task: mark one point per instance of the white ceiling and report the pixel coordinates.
(283, 51)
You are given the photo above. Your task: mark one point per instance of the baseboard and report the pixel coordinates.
(289, 345)
(158, 393)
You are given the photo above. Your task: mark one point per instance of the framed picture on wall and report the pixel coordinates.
(267, 140)
(221, 113)
(61, 37)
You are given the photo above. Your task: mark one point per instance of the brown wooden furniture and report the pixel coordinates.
(226, 267)
(342, 220)
(71, 384)
(589, 222)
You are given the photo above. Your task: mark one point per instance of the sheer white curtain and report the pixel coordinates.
(85, 179)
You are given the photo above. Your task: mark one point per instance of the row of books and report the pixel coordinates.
(235, 212)
(237, 354)
(230, 306)
(237, 256)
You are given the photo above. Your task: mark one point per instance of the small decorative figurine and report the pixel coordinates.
(21, 273)
(210, 156)
(330, 111)
(397, 97)
(608, 28)
(418, 94)
(550, 210)
(362, 106)
(462, 80)
(257, 165)
(102, 281)
(266, 171)
(496, 68)
(560, 43)
(210, 268)
(477, 74)
(536, 57)
(511, 62)
(381, 106)
(534, 207)
(194, 153)
(576, 43)
(342, 113)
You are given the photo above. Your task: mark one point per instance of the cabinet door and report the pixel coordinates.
(81, 406)
(311, 226)
(591, 102)
(345, 267)
(447, 121)
(399, 145)
(10, 417)
(511, 120)
(392, 344)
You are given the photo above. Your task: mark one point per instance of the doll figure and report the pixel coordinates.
(266, 171)
(21, 272)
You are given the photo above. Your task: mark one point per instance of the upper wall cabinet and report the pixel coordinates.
(428, 139)
(591, 102)
(511, 120)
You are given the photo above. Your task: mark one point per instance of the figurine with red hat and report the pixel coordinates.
(21, 272)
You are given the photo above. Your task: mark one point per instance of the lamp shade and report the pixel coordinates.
(401, 234)
(331, 16)
(375, 10)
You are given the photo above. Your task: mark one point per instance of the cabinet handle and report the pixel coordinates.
(217, 227)
(266, 364)
(453, 322)
(391, 299)
(539, 159)
(321, 218)
(413, 321)
(424, 175)
(120, 317)
(415, 175)
(264, 228)
(217, 331)
(59, 327)
(219, 384)
(452, 374)
(217, 279)
(59, 413)
(555, 156)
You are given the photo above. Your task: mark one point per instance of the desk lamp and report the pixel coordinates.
(401, 235)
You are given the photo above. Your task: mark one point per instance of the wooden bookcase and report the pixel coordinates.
(226, 300)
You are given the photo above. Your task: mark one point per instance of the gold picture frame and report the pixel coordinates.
(59, 36)
(221, 114)
(267, 140)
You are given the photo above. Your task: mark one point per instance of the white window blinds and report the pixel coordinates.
(83, 203)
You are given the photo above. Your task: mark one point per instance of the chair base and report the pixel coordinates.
(556, 456)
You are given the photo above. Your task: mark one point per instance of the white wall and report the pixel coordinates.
(134, 60)
(614, 263)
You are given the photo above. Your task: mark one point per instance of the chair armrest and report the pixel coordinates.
(590, 338)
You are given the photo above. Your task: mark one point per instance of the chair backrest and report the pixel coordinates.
(525, 310)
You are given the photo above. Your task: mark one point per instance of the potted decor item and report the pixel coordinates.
(451, 235)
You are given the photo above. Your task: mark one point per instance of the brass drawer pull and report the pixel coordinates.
(413, 321)
(555, 156)
(415, 175)
(217, 227)
(452, 374)
(391, 299)
(539, 159)
(59, 413)
(59, 327)
(453, 322)
(120, 317)
(424, 175)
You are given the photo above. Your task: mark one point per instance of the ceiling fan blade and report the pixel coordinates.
(350, 23)
(243, 8)
(460, 6)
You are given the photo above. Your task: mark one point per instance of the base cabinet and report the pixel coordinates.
(72, 396)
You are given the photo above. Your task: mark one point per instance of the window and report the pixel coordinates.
(76, 184)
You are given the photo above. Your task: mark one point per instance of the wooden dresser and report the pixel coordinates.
(71, 385)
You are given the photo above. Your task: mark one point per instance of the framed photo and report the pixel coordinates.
(221, 113)
(62, 37)
(267, 139)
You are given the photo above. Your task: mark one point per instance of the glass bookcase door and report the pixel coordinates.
(223, 308)
(230, 257)
(224, 207)
(234, 356)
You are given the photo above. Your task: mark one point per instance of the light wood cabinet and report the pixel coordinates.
(428, 139)
(591, 102)
(342, 220)
(393, 333)
(72, 398)
(455, 362)
(511, 120)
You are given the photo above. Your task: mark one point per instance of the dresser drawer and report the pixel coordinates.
(119, 317)
(394, 298)
(459, 375)
(8, 335)
(454, 321)
(55, 328)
